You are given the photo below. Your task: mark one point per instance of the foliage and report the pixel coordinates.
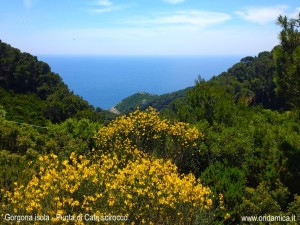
(212, 103)
(287, 57)
(147, 190)
(265, 199)
(162, 101)
(23, 107)
(71, 136)
(251, 81)
(262, 146)
(61, 139)
(149, 133)
(228, 180)
(2, 112)
(19, 138)
(134, 101)
(294, 207)
(14, 167)
(144, 100)
(43, 90)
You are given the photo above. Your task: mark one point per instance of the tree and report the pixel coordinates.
(287, 58)
(2, 112)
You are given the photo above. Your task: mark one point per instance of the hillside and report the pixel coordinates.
(144, 100)
(31, 92)
(251, 80)
(130, 103)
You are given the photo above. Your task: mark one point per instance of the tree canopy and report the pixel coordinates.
(287, 58)
(29, 86)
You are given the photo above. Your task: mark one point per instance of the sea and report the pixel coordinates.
(105, 80)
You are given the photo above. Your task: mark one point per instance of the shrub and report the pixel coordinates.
(144, 189)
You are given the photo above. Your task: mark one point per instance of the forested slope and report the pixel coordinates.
(144, 100)
(31, 92)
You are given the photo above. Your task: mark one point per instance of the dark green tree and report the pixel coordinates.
(287, 58)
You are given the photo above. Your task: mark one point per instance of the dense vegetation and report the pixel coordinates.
(31, 92)
(130, 103)
(144, 100)
(223, 149)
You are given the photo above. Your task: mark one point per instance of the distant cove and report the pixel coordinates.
(105, 80)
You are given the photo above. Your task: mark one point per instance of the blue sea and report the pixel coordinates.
(105, 80)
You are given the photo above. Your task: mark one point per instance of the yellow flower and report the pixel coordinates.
(120, 175)
(227, 216)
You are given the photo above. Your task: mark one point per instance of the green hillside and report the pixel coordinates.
(144, 100)
(130, 103)
(31, 92)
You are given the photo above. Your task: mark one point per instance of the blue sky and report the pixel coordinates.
(143, 27)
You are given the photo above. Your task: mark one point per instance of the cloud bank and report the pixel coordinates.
(262, 15)
(187, 18)
(103, 6)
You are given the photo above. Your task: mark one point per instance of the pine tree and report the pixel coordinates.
(287, 58)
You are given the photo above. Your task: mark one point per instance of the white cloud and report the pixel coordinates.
(104, 3)
(103, 6)
(190, 18)
(262, 15)
(103, 10)
(174, 1)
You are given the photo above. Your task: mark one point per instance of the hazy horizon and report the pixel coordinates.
(131, 27)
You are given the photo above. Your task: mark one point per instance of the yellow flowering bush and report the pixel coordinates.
(120, 178)
(145, 190)
(148, 132)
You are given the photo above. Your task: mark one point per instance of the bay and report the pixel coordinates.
(105, 80)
